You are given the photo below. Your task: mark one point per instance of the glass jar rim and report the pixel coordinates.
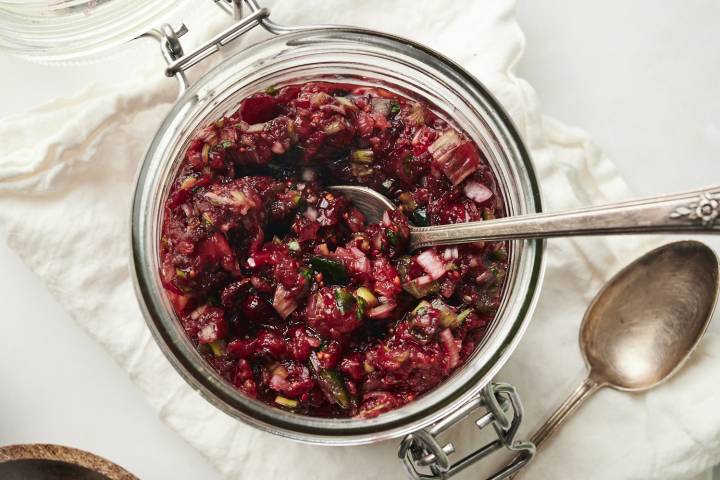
(432, 405)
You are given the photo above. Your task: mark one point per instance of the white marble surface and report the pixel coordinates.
(640, 76)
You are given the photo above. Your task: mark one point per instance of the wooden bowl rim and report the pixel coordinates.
(73, 456)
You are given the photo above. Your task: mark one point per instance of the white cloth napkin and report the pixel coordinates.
(66, 174)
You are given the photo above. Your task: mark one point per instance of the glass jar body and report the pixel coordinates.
(359, 57)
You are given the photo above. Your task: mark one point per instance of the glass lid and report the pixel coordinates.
(67, 31)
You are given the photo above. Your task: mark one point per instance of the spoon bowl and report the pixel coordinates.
(371, 203)
(646, 321)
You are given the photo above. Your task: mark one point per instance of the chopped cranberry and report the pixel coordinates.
(352, 366)
(375, 403)
(231, 296)
(331, 209)
(306, 229)
(301, 343)
(293, 382)
(386, 279)
(244, 379)
(270, 343)
(257, 310)
(328, 317)
(216, 250)
(355, 220)
(259, 108)
(330, 355)
(242, 348)
(179, 301)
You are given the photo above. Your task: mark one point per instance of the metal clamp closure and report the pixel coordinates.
(172, 50)
(503, 410)
(169, 40)
(213, 45)
(179, 63)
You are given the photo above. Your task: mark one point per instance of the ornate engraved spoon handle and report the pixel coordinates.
(691, 211)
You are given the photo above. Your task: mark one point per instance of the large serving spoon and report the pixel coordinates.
(644, 324)
(690, 211)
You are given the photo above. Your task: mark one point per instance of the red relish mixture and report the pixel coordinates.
(283, 286)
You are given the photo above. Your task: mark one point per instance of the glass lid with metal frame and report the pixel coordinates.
(70, 31)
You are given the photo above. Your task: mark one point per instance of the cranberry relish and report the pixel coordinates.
(285, 289)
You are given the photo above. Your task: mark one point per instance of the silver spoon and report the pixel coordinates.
(690, 211)
(644, 324)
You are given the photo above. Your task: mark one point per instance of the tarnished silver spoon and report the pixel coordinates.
(644, 323)
(691, 211)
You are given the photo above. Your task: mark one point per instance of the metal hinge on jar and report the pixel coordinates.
(179, 62)
(422, 450)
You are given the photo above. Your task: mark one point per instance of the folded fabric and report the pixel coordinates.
(66, 176)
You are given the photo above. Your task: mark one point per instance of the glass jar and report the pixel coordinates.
(360, 57)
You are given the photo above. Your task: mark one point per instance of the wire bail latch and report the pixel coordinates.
(503, 411)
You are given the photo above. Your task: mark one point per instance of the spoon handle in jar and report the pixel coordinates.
(697, 210)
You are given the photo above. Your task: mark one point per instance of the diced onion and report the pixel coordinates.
(417, 115)
(346, 103)
(456, 159)
(195, 314)
(462, 163)
(278, 148)
(476, 191)
(311, 213)
(386, 219)
(451, 253)
(424, 280)
(381, 106)
(309, 175)
(444, 145)
(186, 209)
(361, 262)
(320, 98)
(382, 311)
(254, 128)
(453, 351)
(282, 303)
(207, 334)
(236, 199)
(431, 263)
(278, 383)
